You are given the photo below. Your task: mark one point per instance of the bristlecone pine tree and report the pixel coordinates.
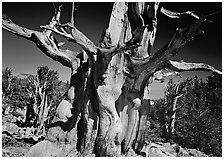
(40, 87)
(109, 81)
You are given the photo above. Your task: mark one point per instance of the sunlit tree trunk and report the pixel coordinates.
(173, 117)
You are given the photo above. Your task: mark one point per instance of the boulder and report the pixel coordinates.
(11, 128)
(158, 150)
(45, 149)
(63, 111)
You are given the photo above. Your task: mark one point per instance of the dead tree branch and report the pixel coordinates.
(44, 41)
(70, 32)
(178, 14)
(144, 67)
(185, 66)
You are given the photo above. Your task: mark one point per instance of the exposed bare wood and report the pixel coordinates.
(44, 42)
(143, 28)
(180, 38)
(178, 14)
(133, 119)
(185, 66)
(116, 24)
(173, 117)
(144, 67)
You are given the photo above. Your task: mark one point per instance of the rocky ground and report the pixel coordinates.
(12, 147)
(17, 141)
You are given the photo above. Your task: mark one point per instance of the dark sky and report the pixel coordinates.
(92, 18)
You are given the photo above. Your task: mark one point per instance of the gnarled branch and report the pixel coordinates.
(178, 14)
(185, 66)
(44, 41)
(171, 49)
(143, 68)
(71, 33)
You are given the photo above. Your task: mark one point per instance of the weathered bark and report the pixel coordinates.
(108, 80)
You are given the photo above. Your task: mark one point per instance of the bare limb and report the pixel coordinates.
(73, 34)
(180, 38)
(143, 68)
(172, 14)
(72, 16)
(83, 41)
(10, 26)
(177, 14)
(69, 31)
(54, 20)
(44, 41)
(175, 108)
(62, 32)
(79, 37)
(184, 66)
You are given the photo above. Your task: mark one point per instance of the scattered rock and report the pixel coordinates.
(196, 153)
(11, 128)
(168, 150)
(131, 153)
(21, 133)
(182, 152)
(14, 151)
(158, 150)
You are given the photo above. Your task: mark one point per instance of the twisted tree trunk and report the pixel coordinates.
(108, 80)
